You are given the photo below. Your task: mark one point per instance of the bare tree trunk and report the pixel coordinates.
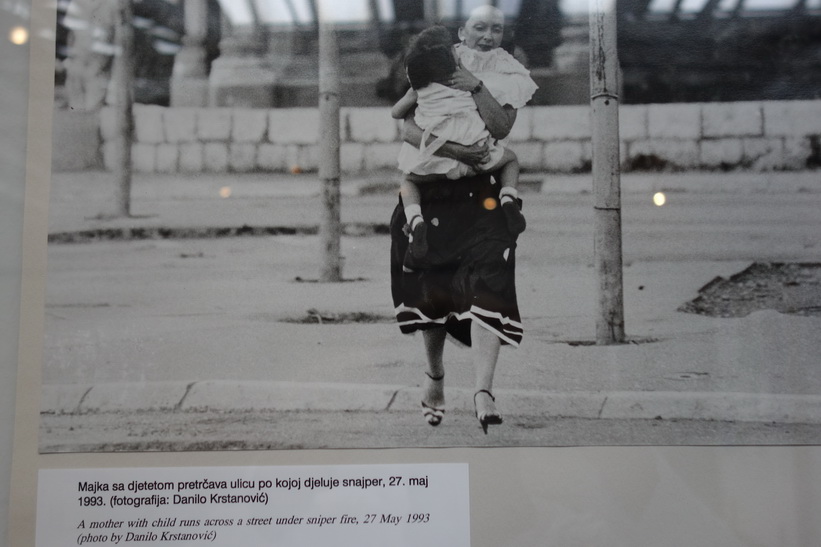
(330, 229)
(604, 102)
(123, 98)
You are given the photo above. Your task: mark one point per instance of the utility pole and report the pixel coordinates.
(123, 98)
(604, 103)
(330, 229)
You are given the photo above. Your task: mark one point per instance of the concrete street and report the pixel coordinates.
(228, 341)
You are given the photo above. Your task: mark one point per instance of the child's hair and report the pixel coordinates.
(437, 35)
(430, 57)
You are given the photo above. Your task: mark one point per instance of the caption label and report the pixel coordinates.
(347, 505)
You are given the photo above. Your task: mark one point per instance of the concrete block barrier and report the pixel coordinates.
(633, 123)
(180, 125)
(716, 153)
(249, 126)
(167, 158)
(367, 125)
(213, 124)
(561, 123)
(743, 119)
(293, 126)
(149, 127)
(664, 153)
(191, 158)
(791, 118)
(754, 136)
(674, 121)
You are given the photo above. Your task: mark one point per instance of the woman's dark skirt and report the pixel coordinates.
(469, 271)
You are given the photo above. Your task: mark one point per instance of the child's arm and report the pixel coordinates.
(472, 155)
(404, 105)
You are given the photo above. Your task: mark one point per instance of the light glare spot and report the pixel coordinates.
(19, 36)
(225, 192)
(489, 204)
(659, 199)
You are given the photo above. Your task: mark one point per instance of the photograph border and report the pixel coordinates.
(744, 493)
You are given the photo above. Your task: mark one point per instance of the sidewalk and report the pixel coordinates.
(761, 368)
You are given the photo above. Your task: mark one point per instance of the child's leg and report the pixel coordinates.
(508, 195)
(509, 172)
(409, 190)
(412, 200)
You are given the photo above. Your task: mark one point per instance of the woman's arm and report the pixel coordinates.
(471, 155)
(498, 119)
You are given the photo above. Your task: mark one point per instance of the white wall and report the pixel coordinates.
(755, 136)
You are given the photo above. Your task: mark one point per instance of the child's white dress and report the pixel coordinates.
(506, 78)
(451, 114)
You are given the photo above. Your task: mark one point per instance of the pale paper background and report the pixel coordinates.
(609, 496)
(440, 507)
(13, 89)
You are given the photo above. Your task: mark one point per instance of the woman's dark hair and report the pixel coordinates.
(430, 57)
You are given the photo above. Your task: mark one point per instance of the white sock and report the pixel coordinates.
(412, 211)
(508, 194)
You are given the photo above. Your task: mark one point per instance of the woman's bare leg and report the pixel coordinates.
(485, 348)
(434, 349)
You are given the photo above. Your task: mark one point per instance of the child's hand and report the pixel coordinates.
(463, 79)
(473, 155)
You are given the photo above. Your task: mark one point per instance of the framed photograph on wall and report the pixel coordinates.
(195, 329)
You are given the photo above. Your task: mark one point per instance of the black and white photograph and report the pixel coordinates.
(601, 229)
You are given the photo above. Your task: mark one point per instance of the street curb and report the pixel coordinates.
(125, 233)
(246, 396)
